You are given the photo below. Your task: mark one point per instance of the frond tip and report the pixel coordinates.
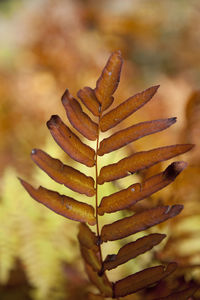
(109, 80)
(133, 133)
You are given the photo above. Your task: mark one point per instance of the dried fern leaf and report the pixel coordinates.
(109, 80)
(61, 204)
(133, 133)
(183, 295)
(140, 280)
(101, 282)
(70, 177)
(119, 200)
(132, 250)
(136, 192)
(89, 99)
(70, 143)
(138, 222)
(139, 161)
(91, 296)
(97, 101)
(87, 238)
(91, 258)
(79, 120)
(125, 109)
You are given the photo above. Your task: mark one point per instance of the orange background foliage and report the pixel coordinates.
(48, 46)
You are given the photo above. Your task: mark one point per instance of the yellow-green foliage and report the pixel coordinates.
(41, 239)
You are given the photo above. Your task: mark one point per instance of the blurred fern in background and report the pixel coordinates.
(39, 57)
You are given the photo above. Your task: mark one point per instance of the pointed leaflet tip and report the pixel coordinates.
(126, 108)
(61, 204)
(140, 160)
(173, 120)
(133, 133)
(156, 86)
(70, 177)
(126, 198)
(65, 97)
(138, 222)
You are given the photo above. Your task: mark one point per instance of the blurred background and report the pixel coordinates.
(47, 46)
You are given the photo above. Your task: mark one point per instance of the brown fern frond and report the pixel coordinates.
(98, 100)
(132, 250)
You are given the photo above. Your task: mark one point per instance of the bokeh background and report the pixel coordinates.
(47, 46)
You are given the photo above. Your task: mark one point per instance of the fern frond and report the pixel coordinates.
(32, 234)
(97, 101)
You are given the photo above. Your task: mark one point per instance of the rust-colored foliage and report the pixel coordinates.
(132, 250)
(138, 222)
(101, 282)
(134, 193)
(183, 295)
(61, 204)
(133, 133)
(70, 142)
(70, 177)
(97, 101)
(138, 281)
(78, 118)
(139, 161)
(108, 81)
